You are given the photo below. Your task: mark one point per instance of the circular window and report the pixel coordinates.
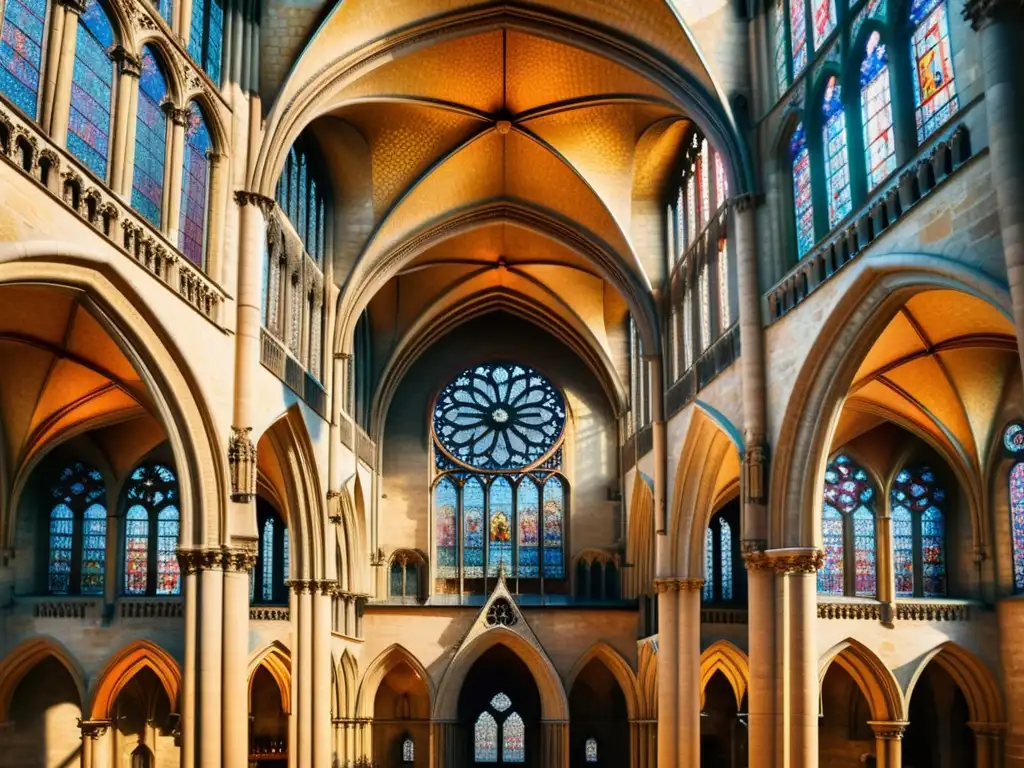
(499, 416)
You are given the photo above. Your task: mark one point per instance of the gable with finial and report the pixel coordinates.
(501, 612)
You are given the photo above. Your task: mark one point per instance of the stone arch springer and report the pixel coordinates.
(379, 668)
(277, 660)
(23, 658)
(879, 286)
(722, 656)
(620, 669)
(123, 666)
(181, 407)
(874, 679)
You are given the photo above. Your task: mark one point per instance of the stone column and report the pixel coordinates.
(175, 168)
(688, 688)
(321, 599)
(886, 575)
(668, 672)
(60, 112)
(122, 153)
(659, 439)
(798, 567)
(302, 667)
(762, 717)
(888, 743)
(988, 745)
(444, 744)
(188, 563)
(234, 667)
(92, 731)
(211, 642)
(54, 47)
(995, 21)
(1010, 614)
(554, 744)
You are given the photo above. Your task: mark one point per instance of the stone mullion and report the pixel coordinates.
(171, 211)
(60, 66)
(122, 152)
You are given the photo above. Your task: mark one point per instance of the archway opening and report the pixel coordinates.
(401, 719)
(844, 736)
(499, 711)
(598, 720)
(723, 736)
(268, 721)
(143, 732)
(44, 711)
(938, 734)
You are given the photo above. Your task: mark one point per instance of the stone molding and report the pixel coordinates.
(245, 197)
(127, 62)
(313, 586)
(242, 464)
(858, 611)
(797, 560)
(241, 560)
(93, 728)
(892, 731)
(673, 584)
(980, 12)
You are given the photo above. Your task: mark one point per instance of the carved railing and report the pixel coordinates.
(151, 608)
(723, 616)
(32, 154)
(914, 611)
(65, 607)
(269, 613)
(366, 449)
(851, 610)
(893, 201)
(276, 359)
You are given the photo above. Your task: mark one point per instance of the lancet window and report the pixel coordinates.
(918, 533)
(499, 733)
(152, 526)
(77, 524)
(848, 531)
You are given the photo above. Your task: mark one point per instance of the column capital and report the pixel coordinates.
(93, 728)
(302, 586)
(127, 62)
(240, 559)
(981, 12)
(242, 464)
(746, 202)
(178, 116)
(192, 560)
(754, 557)
(245, 197)
(75, 6)
(676, 584)
(796, 559)
(890, 730)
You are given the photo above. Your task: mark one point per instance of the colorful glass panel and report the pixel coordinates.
(214, 41)
(798, 35)
(94, 549)
(446, 544)
(499, 528)
(1013, 438)
(705, 182)
(21, 53)
(501, 702)
(408, 751)
(150, 141)
(473, 528)
(779, 46)
(848, 494)
(687, 330)
(724, 317)
(285, 557)
(864, 552)
(62, 532)
(876, 105)
(725, 553)
(691, 208)
(485, 739)
(916, 494)
(590, 750)
(527, 505)
(680, 223)
(92, 83)
(194, 182)
(396, 579)
(837, 168)
(136, 550)
(935, 97)
(165, 8)
(554, 564)
(903, 551)
(933, 553)
(824, 20)
(721, 183)
(831, 573)
(709, 566)
(168, 526)
(704, 290)
(499, 416)
(196, 27)
(1017, 522)
(268, 559)
(803, 203)
(513, 739)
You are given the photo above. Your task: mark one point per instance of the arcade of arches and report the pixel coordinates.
(555, 383)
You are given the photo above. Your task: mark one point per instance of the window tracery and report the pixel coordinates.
(837, 167)
(150, 140)
(206, 36)
(918, 533)
(269, 577)
(92, 89)
(848, 531)
(876, 104)
(77, 532)
(498, 727)
(152, 527)
(195, 183)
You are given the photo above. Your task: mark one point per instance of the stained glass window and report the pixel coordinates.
(408, 751)
(150, 140)
(721, 183)
(779, 45)
(837, 168)
(935, 98)
(513, 740)
(21, 53)
(92, 83)
(445, 505)
(285, 557)
(62, 531)
(876, 105)
(918, 533)
(77, 532)
(709, 565)
(803, 203)
(725, 549)
(691, 209)
(680, 223)
(499, 532)
(206, 34)
(152, 527)
(590, 750)
(501, 702)
(724, 317)
(527, 501)
(473, 537)
(164, 7)
(195, 181)
(848, 531)
(554, 565)
(267, 552)
(94, 549)
(1017, 522)
(687, 330)
(485, 739)
(824, 20)
(704, 290)
(705, 182)
(798, 35)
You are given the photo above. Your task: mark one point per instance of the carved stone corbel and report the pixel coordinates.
(242, 464)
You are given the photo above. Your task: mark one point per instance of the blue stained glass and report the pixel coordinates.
(167, 573)
(590, 750)
(445, 505)
(709, 566)
(150, 141)
(165, 8)
(136, 550)
(876, 106)
(485, 739)
(864, 552)
(803, 203)
(554, 567)
(798, 35)
(396, 580)
(214, 41)
(837, 170)
(62, 531)
(195, 34)
(933, 553)
(935, 97)
(285, 556)
(21, 53)
(513, 739)
(824, 20)
(1013, 438)
(91, 90)
(725, 553)
(903, 551)
(527, 504)
(194, 182)
(408, 751)
(779, 43)
(1017, 522)
(94, 549)
(830, 576)
(473, 530)
(152, 490)
(268, 559)
(499, 549)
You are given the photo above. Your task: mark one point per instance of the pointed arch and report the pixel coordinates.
(277, 660)
(346, 680)
(639, 579)
(604, 653)
(123, 666)
(647, 676)
(976, 682)
(722, 656)
(379, 668)
(873, 678)
(24, 658)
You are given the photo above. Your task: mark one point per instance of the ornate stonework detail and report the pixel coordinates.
(302, 586)
(93, 728)
(240, 560)
(143, 21)
(980, 12)
(334, 507)
(244, 197)
(677, 585)
(888, 730)
(127, 62)
(501, 614)
(754, 557)
(269, 613)
(178, 116)
(242, 464)
(933, 611)
(755, 470)
(809, 561)
(861, 611)
(75, 6)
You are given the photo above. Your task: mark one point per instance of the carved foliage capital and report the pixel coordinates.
(240, 560)
(808, 561)
(244, 197)
(242, 464)
(888, 730)
(127, 62)
(677, 585)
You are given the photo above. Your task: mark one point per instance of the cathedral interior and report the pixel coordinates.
(555, 383)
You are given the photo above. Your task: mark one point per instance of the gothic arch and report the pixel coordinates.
(874, 679)
(554, 703)
(379, 668)
(346, 681)
(639, 579)
(880, 285)
(620, 670)
(276, 659)
(24, 658)
(722, 656)
(123, 665)
(980, 688)
(647, 675)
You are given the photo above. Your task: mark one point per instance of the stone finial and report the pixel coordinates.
(242, 464)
